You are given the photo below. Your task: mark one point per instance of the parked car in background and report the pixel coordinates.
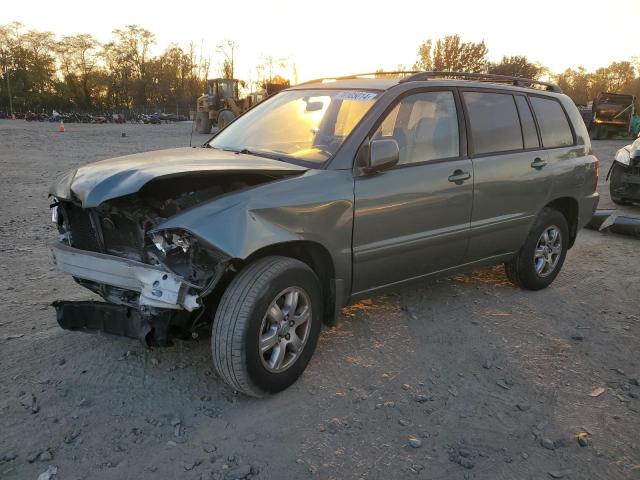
(325, 193)
(624, 175)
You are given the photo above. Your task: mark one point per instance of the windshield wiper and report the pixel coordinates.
(255, 153)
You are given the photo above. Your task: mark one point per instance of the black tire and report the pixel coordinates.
(239, 318)
(615, 182)
(521, 269)
(203, 124)
(225, 118)
(598, 132)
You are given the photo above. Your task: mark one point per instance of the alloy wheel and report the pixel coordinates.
(285, 329)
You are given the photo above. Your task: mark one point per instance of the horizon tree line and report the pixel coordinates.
(79, 73)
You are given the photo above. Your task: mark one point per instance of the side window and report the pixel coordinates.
(554, 126)
(529, 133)
(425, 125)
(495, 126)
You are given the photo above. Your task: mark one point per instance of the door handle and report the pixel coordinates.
(538, 163)
(458, 177)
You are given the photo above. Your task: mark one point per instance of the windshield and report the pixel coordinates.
(307, 125)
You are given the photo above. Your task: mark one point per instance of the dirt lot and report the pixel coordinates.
(486, 381)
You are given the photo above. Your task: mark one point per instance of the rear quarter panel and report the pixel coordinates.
(573, 168)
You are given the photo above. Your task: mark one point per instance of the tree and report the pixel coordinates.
(28, 65)
(450, 54)
(516, 66)
(127, 57)
(227, 66)
(576, 84)
(614, 78)
(8, 44)
(78, 60)
(226, 71)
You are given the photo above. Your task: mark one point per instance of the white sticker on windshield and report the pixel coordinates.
(356, 96)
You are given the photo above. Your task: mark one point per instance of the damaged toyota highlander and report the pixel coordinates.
(327, 192)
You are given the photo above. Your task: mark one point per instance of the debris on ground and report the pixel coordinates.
(51, 472)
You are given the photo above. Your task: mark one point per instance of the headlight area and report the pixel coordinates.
(200, 265)
(623, 156)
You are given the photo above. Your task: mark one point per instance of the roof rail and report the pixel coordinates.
(485, 77)
(398, 73)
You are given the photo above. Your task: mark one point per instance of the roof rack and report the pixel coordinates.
(398, 73)
(485, 77)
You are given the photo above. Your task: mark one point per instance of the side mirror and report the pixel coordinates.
(383, 154)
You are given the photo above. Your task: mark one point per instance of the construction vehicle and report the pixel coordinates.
(221, 104)
(612, 114)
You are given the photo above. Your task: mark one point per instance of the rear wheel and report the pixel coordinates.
(540, 259)
(267, 326)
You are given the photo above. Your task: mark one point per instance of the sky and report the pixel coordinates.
(339, 37)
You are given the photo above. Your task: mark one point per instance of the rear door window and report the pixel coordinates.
(529, 132)
(495, 126)
(554, 126)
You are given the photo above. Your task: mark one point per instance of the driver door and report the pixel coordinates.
(414, 219)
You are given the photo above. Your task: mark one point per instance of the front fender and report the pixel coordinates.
(316, 206)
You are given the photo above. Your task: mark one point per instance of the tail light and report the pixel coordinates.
(596, 174)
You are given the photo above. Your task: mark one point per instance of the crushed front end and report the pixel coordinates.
(153, 280)
(624, 174)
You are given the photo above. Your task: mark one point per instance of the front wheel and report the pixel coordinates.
(203, 124)
(267, 325)
(540, 259)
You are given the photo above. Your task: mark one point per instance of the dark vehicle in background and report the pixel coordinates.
(325, 193)
(624, 175)
(612, 114)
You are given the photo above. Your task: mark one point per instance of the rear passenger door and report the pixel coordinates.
(511, 180)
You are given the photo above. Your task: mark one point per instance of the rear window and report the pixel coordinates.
(554, 126)
(495, 126)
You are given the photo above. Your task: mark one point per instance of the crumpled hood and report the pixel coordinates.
(97, 182)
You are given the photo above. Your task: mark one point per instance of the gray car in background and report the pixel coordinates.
(327, 192)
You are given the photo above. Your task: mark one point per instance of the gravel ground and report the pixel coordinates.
(463, 378)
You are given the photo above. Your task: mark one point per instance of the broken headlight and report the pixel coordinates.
(622, 156)
(185, 255)
(168, 241)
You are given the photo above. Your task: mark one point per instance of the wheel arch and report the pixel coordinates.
(569, 207)
(317, 257)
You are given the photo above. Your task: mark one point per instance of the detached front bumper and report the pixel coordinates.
(158, 287)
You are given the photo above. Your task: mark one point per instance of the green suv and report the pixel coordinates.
(327, 192)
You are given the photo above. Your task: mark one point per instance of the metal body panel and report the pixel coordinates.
(508, 195)
(573, 168)
(409, 221)
(315, 207)
(107, 179)
(158, 287)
